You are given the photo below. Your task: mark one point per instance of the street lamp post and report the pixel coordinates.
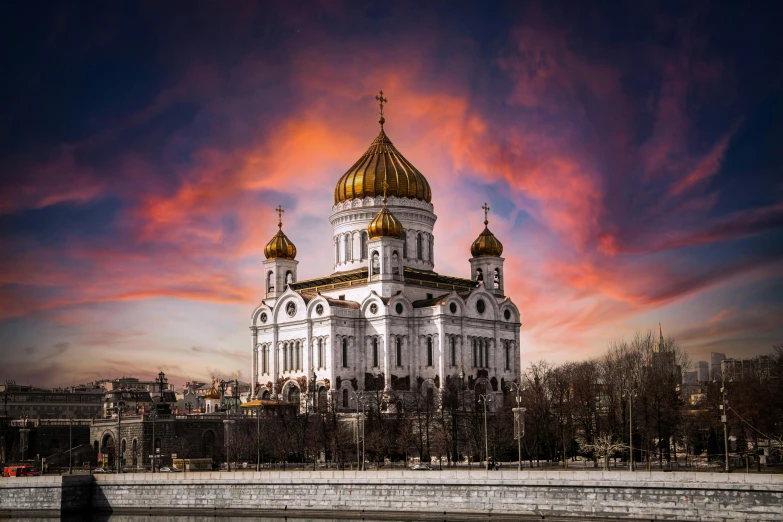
(519, 414)
(153, 414)
(70, 445)
(358, 397)
(725, 419)
(630, 393)
(258, 437)
(484, 399)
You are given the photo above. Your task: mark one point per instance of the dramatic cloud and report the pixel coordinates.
(631, 169)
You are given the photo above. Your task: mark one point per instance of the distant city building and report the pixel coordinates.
(690, 378)
(736, 369)
(715, 360)
(702, 371)
(35, 402)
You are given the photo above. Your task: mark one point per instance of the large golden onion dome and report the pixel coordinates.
(280, 247)
(212, 393)
(486, 244)
(382, 163)
(385, 224)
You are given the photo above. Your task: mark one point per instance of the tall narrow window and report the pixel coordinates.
(348, 247)
(399, 351)
(289, 277)
(419, 252)
(270, 281)
(486, 354)
(285, 357)
(475, 355)
(374, 352)
(337, 250)
(479, 274)
(429, 244)
(405, 245)
(429, 351)
(453, 351)
(395, 263)
(320, 353)
(364, 244)
(298, 356)
(345, 398)
(496, 282)
(376, 263)
(481, 353)
(345, 352)
(507, 354)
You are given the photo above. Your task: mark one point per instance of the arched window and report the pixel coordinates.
(320, 353)
(374, 352)
(399, 351)
(364, 244)
(507, 346)
(293, 394)
(345, 398)
(348, 247)
(429, 351)
(429, 244)
(270, 281)
(479, 274)
(337, 250)
(376, 263)
(285, 357)
(481, 353)
(419, 252)
(298, 356)
(345, 352)
(496, 282)
(135, 456)
(475, 354)
(289, 277)
(395, 263)
(405, 245)
(430, 397)
(453, 351)
(486, 354)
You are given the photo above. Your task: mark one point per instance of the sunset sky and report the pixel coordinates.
(631, 155)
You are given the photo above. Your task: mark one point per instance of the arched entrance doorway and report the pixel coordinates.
(108, 449)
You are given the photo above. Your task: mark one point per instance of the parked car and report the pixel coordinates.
(422, 467)
(102, 470)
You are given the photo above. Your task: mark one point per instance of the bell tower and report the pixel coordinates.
(486, 265)
(280, 264)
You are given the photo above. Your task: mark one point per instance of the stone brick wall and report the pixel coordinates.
(45, 496)
(658, 495)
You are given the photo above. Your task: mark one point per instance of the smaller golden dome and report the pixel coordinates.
(486, 244)
(212, 393)
(280, 247)
(385, 224)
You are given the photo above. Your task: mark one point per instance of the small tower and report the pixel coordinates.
(212, 399)
(385, 246)
(280, 265)
(486, 264)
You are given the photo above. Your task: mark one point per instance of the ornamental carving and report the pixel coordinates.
(327, 384)
(279, 385)
(302, 382)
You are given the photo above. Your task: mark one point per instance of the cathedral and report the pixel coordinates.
(384, 321)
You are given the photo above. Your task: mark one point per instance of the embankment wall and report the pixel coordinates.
(428, 494)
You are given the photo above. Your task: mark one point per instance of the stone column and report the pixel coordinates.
(274, 361)
(254, 331)
(307, 351)
(386, 358)
(441, 359)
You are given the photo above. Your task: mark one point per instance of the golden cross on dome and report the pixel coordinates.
(385, 187)
(381, 100)
(279, 211)
(486, 210)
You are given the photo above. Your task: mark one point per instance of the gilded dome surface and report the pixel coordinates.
(280, 247)
(212, 393)
(385, 225)
(382, 163)
(486, 244)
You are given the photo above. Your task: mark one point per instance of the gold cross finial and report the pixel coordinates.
(486, 210)
(279, 211)
(385, 187)
(381, 100)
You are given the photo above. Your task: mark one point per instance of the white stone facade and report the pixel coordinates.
(392, 317)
